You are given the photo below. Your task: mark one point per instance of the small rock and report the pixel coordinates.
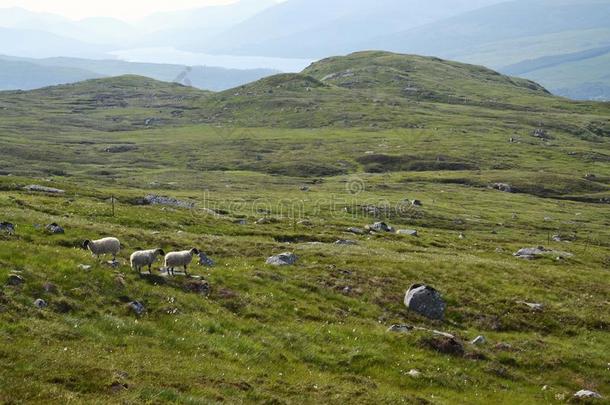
(205, 261)
(400, 328)
(380, 227)
(357, 231)
(7, 227)
(305, 222)
(40, 303)
(586, 394)
(532, 305)
(426, 301)
(240, 222)
(407, 232)
(113, 263)
(417, 203)
(283, 259)
(344, 242)
(137, 308)
(15, 280)
(414, 373)
(540, 251)
(462, 236)
(84, 267)
(507, 188)
(120, 281)
(479, 340)
(152, 199)
(43, 189)
(266, 221)
(503, 346)
(49, 288)
(54, 229)
(198, 287)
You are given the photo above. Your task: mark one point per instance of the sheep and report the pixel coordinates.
(143, 258)
(175, 259)
(103, 246)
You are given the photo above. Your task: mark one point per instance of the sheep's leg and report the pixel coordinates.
(150, 269)
(186, 273)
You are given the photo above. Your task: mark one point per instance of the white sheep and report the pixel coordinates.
(179, 259)
(143, 258)
(104, 246)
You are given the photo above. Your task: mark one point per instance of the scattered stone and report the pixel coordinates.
(400, 328)
(266, 221)
(417, 203)
(137, 308)
(379, 227)
(462, 236)
(283, 259)
(540, 251)
(198, 287)
(503, 347)
(205, 261)
(531, 305)
(40, 303)
(120, 281)
(407, 232)
(54, 229)
(240, 222)
(305, 188)
(84, 267)
(541, 134)
(507, 188)
(113, 263)
(120, 148)
(49, 288)
(426, 301)
(479, 340)
(15, 280)
(305, 222)
(152, 199)
(590, 177)
(414, 373)
(356, 231)
(445, 345)
(586, 394)
(346, 242)
(7, 227)
(43, 189)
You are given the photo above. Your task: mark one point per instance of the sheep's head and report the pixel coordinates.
(86, 244)
(160, 252)
(194, 251)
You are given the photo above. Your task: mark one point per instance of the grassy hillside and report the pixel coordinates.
(340, 145)
(517, 32)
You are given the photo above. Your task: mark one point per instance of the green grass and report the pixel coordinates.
(314, 332)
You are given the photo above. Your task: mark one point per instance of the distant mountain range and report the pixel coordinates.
(560, 43)
(27, 73)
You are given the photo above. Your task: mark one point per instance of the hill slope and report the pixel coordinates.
(495, 163)
(512, 32)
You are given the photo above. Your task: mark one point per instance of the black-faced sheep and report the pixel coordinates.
(110, 246)
(143, 258)
(179, 259)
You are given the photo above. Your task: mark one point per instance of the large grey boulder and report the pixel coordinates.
(540, 251)
(283, 259)
(43, 189)
(426, 301)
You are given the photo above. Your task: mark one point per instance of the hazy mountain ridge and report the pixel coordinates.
(51, 71)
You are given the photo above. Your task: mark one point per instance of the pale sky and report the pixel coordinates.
(123, 9)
